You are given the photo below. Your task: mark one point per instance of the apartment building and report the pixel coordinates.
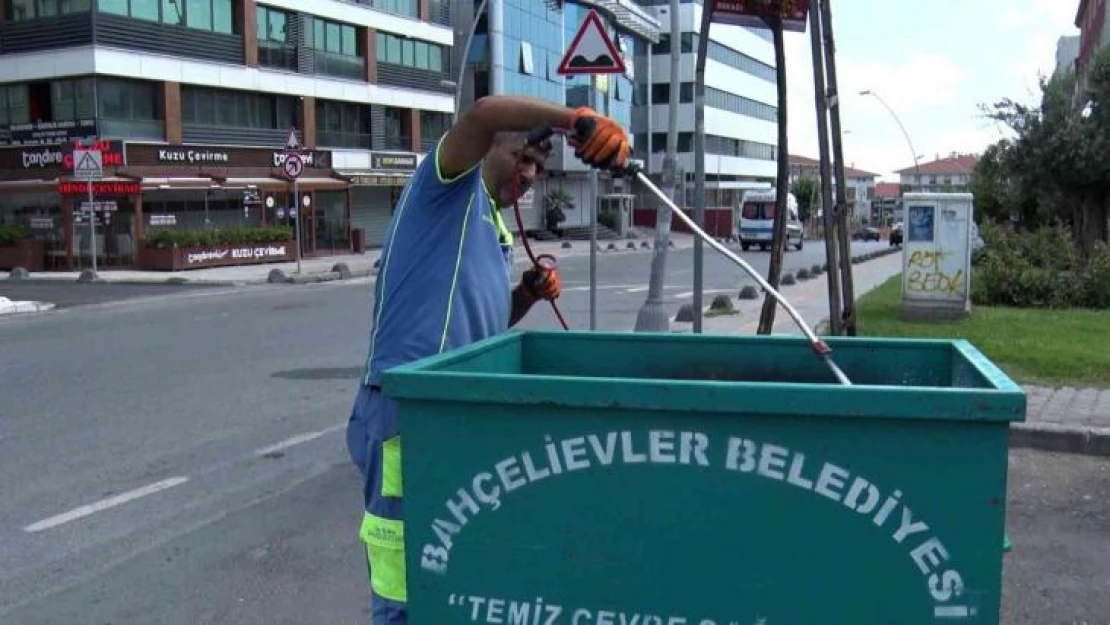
(859, 191)
(1090, 18)
(950, 173)
(194, 102)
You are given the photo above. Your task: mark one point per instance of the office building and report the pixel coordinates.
(740, 112)
(516, 50)
(193, 102)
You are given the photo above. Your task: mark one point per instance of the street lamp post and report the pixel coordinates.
(905, 134)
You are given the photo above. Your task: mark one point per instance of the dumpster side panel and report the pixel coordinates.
(544, 514)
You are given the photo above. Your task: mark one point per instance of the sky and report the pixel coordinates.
(934, 63)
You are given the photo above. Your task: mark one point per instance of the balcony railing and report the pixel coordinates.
(340, 65)
(278, 55)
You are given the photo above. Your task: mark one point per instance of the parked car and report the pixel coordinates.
(896, 234)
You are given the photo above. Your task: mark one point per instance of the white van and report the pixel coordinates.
(757, 214)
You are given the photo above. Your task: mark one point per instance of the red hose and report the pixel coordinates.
(528, 248)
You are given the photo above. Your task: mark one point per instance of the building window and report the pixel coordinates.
(409, 8)
(274, 48)
(210, 15)
(219, 107)
(336, 48)
(395, 136)
(433, 125)
(23, 10)
(738, 60)
(396, 50)
(14, 105)
(342, 124)
(72, 99)
(129, 108)
(661, 93)
(739, 104)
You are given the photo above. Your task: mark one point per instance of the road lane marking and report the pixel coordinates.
(297, 440)
(104, 504)
(688, 294)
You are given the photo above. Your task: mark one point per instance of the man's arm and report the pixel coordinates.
(470, 138)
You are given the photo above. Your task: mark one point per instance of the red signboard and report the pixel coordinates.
(751, 13)
(100, 188)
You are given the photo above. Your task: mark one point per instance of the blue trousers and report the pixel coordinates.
(373, 442)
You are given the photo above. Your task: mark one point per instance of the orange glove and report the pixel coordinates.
(598, 140)
(542, 282)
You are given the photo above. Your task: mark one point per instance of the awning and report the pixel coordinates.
(151, 183)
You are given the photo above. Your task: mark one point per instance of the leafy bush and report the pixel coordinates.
(226, 236)
(1038, 268)
(10, 234)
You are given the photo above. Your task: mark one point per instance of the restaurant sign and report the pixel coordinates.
(55, 157)
(218, 156)
(100, 188)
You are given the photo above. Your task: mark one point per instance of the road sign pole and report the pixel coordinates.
(92, 226)
(593, 224)
(592, 52)
(297, 222)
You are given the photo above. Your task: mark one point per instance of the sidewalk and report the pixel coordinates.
(360, 265)
(1066, 419)
(809, 297)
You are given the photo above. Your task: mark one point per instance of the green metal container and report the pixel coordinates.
(675, 479)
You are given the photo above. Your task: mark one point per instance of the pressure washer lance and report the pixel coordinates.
(820, 348)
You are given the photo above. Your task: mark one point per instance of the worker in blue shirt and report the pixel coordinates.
(446, 280)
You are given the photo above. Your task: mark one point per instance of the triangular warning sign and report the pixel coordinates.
(292, 142)
(88, 163)
(592, 51)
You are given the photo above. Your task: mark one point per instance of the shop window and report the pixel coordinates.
(210, 15)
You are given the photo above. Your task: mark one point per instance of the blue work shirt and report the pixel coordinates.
(445, 275)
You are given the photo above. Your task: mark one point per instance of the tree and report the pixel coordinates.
(805, 190)
(1057, 165)
(778, 234)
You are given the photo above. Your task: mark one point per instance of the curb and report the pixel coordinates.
(1071, 439)
(822, 327)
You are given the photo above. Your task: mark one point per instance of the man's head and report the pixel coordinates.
(501, 165)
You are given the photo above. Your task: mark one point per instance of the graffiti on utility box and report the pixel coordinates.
(927, 273)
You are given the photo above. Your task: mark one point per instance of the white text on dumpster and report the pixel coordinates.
(886, 511)
(500, 611)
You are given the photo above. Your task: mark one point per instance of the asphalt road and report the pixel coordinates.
(180, 459)
(68, 294)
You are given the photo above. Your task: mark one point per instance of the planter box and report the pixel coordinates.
(184, 258)
(26, 253)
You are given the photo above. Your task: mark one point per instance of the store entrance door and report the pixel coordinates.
(331, 230)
